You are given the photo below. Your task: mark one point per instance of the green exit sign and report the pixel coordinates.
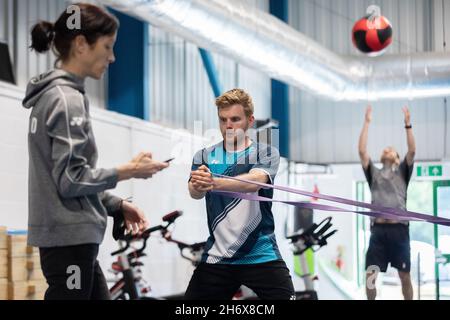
(429, 171)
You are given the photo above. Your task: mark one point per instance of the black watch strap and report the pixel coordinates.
(408, 127)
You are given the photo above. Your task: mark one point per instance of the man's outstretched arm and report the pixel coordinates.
(409, 137)
(362, 145)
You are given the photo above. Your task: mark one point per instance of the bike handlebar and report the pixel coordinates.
(314, 235)
(194, 247)
(169, 219)
(121, 250)
(128, 238)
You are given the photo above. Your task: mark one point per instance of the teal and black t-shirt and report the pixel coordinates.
(241, 231)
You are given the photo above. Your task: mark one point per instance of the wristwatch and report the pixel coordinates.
(408, 127)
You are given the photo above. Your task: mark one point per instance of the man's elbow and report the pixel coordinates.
(412, 153)
(260, 179)
(253, 189)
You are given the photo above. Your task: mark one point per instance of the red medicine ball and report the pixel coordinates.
(372, 34)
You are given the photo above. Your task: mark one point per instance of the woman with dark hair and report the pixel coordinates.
(68, 202)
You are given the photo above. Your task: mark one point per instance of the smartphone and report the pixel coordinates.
(169, 160)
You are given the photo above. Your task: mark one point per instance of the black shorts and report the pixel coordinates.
(270, 280)
(389, 243)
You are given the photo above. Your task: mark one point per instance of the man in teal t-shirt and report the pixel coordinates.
(241, 248)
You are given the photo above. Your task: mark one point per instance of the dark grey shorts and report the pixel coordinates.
(389, 243)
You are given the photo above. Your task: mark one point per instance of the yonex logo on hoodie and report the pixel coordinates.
(76, 121)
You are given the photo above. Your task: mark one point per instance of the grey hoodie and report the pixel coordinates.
(67, 202)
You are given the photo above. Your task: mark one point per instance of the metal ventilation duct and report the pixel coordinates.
(259, 40)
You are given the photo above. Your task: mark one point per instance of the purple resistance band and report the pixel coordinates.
(376, 210)
(305, 204)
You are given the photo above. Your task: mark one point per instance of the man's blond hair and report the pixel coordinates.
(236, 96)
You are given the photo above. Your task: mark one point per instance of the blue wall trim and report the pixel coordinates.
(211, 70)
(280, 112)
(128, 90)
(280, 91)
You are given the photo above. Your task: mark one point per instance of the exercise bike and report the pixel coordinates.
(314, 238)
(132, 286)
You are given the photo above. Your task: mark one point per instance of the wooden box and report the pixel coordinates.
(24, 268)
(3, 238)
(32, 250)
(27, 290)
(38, 288)
(3, 263)
(19, 290)
(34, 269)
(3, 289)
(17, 246)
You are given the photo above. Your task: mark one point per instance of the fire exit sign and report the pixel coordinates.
(429, 171)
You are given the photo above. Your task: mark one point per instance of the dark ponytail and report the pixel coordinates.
(42, 36)
(95, 23)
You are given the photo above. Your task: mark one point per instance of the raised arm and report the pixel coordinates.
(362, 145)
(409, 137)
